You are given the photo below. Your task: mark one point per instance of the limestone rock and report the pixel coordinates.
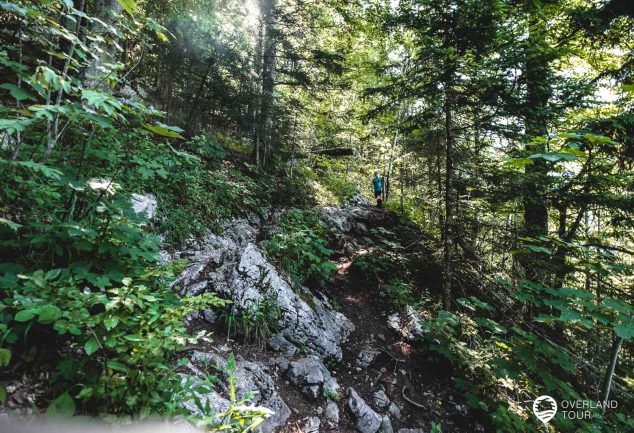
(406, 323)
(332, 413)
(145, 204)
(233, 266)
(366, 357)
(250, 378)
(381, 399)
(394, 411)
(280, 344)
(366, 420)
(311, 425)
(313, 377)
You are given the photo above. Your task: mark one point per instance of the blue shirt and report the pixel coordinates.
(378, 184)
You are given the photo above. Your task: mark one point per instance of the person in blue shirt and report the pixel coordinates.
(378, 186)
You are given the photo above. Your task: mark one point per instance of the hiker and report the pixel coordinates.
(378, 184)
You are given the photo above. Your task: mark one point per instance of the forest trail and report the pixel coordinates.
(387, 371)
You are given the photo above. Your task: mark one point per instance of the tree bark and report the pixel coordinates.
(609, 374)
(449, 202)
(268, 78)
(536, 120)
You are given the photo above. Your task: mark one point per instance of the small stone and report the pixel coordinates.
(280, 362)
(320, 410)
(381, 399)
(394, 411)
(380, 337)
(366, 357)
(311, 425)
(210, 315)
(332, 413)
(406, 323)
(383, 370)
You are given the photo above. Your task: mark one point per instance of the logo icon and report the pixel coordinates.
(545, 408)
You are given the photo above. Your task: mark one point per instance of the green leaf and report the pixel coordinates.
(15, 125)
(91, 346)
(18, 93)
(5, 357)
(24, 315)
(49, 313)
(624, 331)
(12, 7)
(62, 407)
(3, 393)
(110, 323)
(133, 337)
(118, 366)
(13, 226)
(162, 36)
(130, 6)
(163, 131)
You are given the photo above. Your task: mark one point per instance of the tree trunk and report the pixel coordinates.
(268, 78)
(449, 202)
(536, 121)
(609, 373)
(254, 108)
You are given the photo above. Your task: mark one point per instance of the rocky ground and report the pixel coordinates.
(341, 360)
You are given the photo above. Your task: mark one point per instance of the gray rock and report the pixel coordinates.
(233, 266)
(406, 323)
(394, 411)
(311, 425)
(386, 425)
(366, 357)
(210, 315)
(366, 420)
(281, 363)
(355, 219)
(251, 380)
(144, 203)
(381, 399)
(280, 344)
(332, 413)
(312, 376)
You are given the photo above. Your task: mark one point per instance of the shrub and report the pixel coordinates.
(300, 247)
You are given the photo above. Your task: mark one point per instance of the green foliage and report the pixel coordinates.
(383, 255)
(399, 293)
(256, 323)
(300, 247)
(82, 294)
(198, 193)
(495, 365)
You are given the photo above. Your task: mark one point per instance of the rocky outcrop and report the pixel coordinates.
(406, 323)
(312, 377)
(355, 218)
(146, 204)
(233, 266)
(252, 383)
(366, 419)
